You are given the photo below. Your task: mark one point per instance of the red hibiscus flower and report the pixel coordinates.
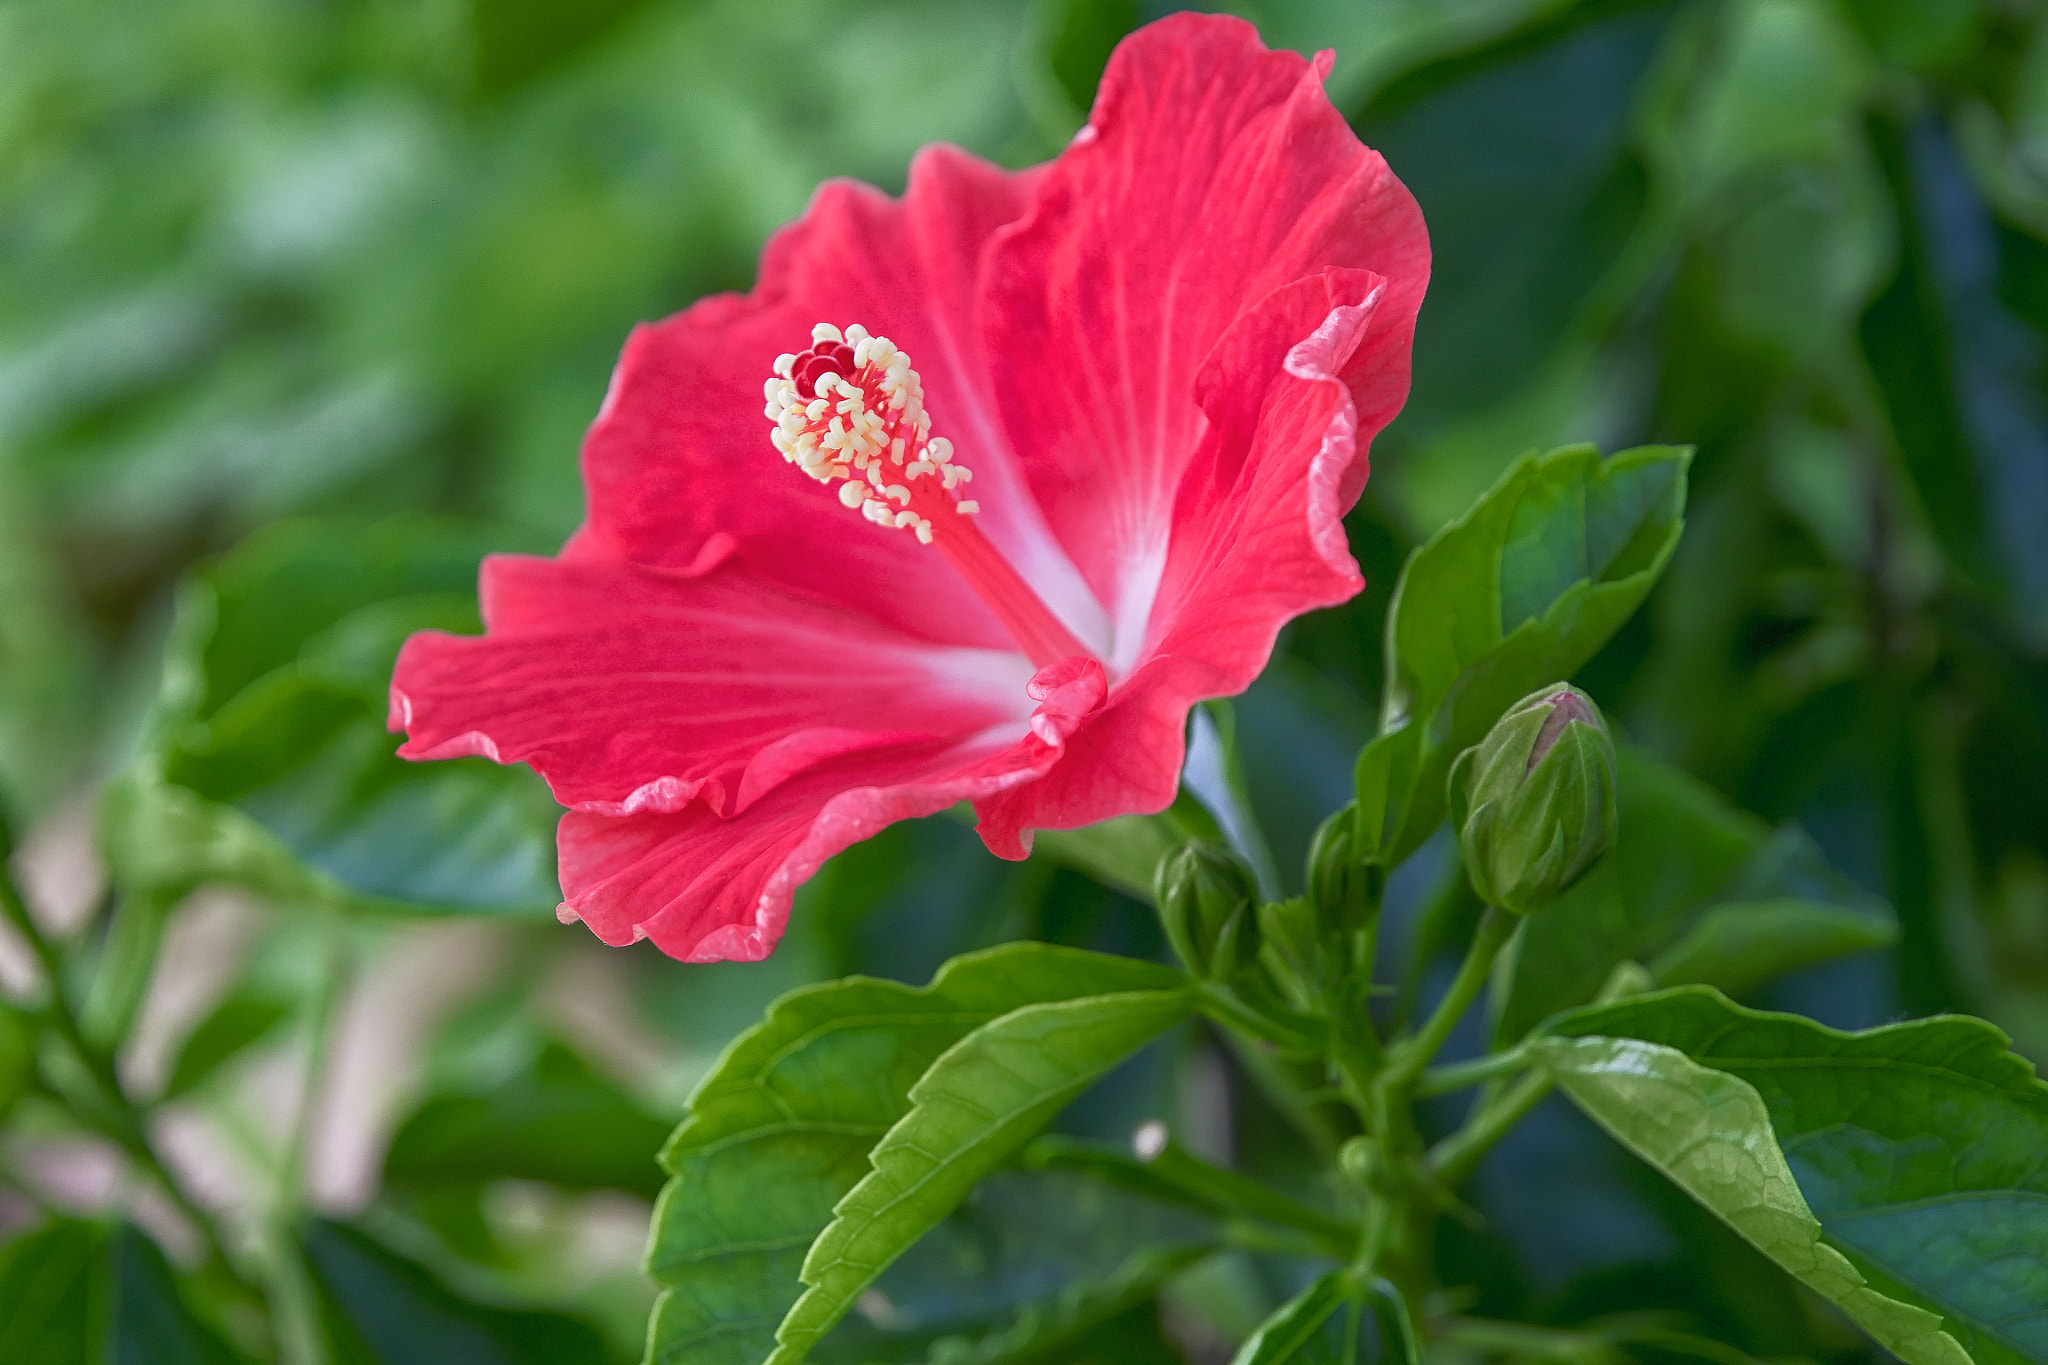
(1087, 433)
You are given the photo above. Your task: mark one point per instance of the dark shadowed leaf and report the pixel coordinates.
(76, 1293)
(1028, 1264)
(1699, 890)
(556, 1121)
(382, 1309)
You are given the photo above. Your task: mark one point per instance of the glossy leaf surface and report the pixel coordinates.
(780, 1131)
(980, 1102)
(1918, 1147)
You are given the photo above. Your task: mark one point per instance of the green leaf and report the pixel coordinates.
(981, 1101)
(1308, 1329)
(268, 763)
(1519, 152)
(1518, 592)
(780, 1130)
(1917, 1146)
(236, 1023)
(1121, 853)
(382, 1309)
(150, 1323)
(17, 1057)
(1740, 945)
(557, 1121)
(75, 1292)
(1702, 891)
(53, 1283)
(1030, 1262)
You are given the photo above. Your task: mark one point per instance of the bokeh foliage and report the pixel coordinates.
(303, 306)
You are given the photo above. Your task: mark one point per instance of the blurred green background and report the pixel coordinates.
(331, 288)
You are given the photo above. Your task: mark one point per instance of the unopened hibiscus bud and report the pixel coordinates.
(1294, 954)
(1344, 890)
(1533, 802)
(1208, 902)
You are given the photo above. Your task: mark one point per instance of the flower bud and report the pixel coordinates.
(1344, 890)
(1208, 901)
(1533, 802)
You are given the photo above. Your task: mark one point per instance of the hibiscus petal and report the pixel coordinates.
(680, 452)
(706, 889)
(1258, 539)
(633, 689)
(1212, 172)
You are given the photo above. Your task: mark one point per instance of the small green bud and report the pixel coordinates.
(1344, 890)
(1293, 953)
(1533, 802)
(1208, 902)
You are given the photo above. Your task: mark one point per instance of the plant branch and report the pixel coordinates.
(1228, 1190)
(1408, 1059)
(1453, 1159)
(118, 1118)
(1441, 1080)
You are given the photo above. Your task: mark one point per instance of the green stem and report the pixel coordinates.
(299, 1336)
(1453, 1158)
(1441, 1080)
(1496, 926)
(114, 1115)
(1226, 1188)
(1269, 1074)
(1222, 1004)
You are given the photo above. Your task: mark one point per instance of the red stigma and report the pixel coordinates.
(824, 357)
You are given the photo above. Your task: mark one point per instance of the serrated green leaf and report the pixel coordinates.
(981, 1101)
(1704, 892)
(1919, 1148)
(1518, 592)
(780, 1131)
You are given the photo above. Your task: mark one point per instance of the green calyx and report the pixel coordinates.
(1344, 889)
(1534, 802)
(1208, 903)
